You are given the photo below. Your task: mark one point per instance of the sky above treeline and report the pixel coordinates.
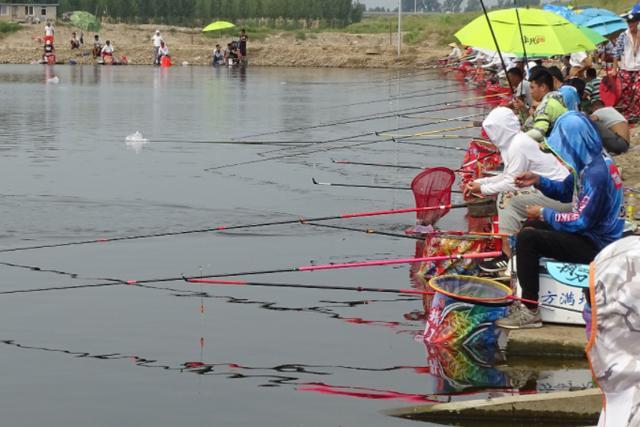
(391, 4)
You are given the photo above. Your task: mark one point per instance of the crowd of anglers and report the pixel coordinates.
(560, 194)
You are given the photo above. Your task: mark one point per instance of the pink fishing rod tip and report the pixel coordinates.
(222, 227)
(132, 282)
(102, 240)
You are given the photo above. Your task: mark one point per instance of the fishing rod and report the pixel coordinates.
(347, 265)
(233, 142)
(369, 117)
(409, 95)
(223, 228)
(305, 286)
(427, 133)
(431, 136)
(368, 231)
(358, 264)
(384, 165)
(351, 145)
(391, 165)
(380, 187)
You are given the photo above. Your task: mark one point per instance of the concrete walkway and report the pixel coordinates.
(550, 340)
(568, 408)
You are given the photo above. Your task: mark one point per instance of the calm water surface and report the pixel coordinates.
(179, 354)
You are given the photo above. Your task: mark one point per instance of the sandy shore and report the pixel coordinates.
(328, 49)
(629, 163)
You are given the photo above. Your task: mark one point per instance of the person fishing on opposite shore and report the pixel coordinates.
(48, 33)
(218, 56)
(97, 46)
(163, 51)
(242, 44)
(594, 185)
(157, 40)
(550, 105)
(107, 52)
(520, 154)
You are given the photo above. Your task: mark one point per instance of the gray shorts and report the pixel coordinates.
(512, 208)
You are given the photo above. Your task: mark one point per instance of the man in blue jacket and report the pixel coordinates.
(594, 186)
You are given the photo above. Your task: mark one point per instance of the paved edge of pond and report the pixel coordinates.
(550, 340)
(575, 407)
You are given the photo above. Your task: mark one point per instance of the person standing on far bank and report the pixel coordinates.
(243, 44)
(157, 41)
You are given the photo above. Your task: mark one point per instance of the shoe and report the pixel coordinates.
(494, 265)
(520, 317)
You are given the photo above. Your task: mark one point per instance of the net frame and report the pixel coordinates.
(507, 299)
(432, 187)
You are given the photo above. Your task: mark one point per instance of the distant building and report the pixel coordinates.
(28, 12)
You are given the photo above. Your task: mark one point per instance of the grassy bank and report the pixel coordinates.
(8, 27)
(438, 28)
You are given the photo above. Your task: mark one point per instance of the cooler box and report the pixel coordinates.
(567, 301)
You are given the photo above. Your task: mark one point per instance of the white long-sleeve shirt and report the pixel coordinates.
(519, 152)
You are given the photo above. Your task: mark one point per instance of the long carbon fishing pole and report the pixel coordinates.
(384, 165)
(427, 133)
(233, 142)
(305, 286)
(379, 187)
(369, 117)
(351, 145)
(367, 231)
(422, 93)
(246, 226)
(304, 268)
(391, 165)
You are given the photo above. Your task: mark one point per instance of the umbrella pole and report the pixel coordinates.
(495, 41)
(524, 48)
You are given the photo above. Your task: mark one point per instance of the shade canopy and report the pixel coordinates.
(217, 26)
(85, 21)
(543, 33)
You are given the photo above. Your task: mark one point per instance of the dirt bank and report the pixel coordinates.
(328, 49)
(629, 162)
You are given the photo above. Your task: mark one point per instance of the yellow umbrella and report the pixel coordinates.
(217, 26)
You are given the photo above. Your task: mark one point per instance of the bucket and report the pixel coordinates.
(464, 310)
(51, 59)
(165, 61)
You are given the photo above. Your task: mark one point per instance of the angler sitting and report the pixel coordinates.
(218, 56)
(97, 46)
(576, 236)
(455, 54)
(550, 105)
(107, 52)
(163, 50)
(520, 154)
(612, 126)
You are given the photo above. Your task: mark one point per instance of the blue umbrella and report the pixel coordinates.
(563, 11)
(602, 21)
(589, 13)
(605, 25)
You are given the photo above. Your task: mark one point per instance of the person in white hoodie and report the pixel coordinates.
(520, 153)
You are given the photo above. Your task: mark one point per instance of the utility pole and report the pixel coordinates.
(399, 26)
